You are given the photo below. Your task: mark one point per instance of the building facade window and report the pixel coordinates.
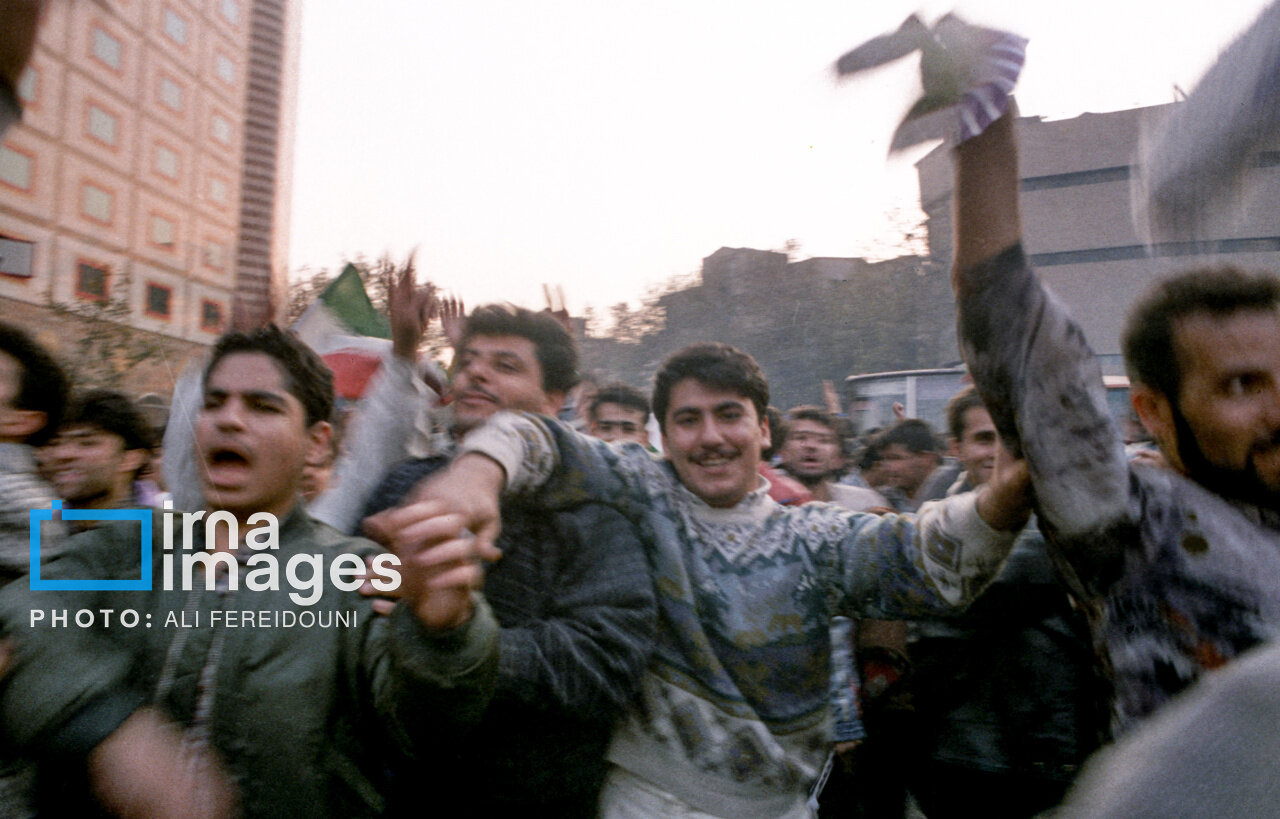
(158, 298)
(16, 257)
(215, 255)
(171, 94)
(210, 316)
(220, 128)
(230, 10)
(106, 49)
(165, 162)
(29, 85)
(96, 203)
(15, 168)
(91, 281)
(102, 125)
(175, 27)
(162, 231)
(217, 190)
(224, 68)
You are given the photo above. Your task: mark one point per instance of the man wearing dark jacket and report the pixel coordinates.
(572, 594)
(236, 687)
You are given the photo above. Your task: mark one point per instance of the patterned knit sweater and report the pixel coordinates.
(734, 712)
(1178, 580)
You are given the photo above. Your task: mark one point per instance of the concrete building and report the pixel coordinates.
(151, 171)
(1078, 228)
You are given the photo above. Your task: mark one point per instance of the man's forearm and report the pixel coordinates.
(986, 195)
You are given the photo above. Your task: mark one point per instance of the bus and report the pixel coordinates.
(924, 394)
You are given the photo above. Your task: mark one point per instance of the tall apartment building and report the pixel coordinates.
(152, 168)
(1076, 175)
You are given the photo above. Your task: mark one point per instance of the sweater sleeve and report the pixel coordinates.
(1043, 386)
(905, 566)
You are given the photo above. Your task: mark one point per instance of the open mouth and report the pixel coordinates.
(225, 464)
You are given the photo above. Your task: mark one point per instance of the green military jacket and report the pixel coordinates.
(302, 702)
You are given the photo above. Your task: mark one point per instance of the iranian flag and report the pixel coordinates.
(351, 336)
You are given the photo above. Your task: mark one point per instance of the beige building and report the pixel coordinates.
(151, 170)
(1076, 216)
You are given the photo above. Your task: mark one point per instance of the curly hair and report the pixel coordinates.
(711, 364)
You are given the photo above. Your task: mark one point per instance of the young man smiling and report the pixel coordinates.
(572, 594)
(99, 450)
(734, 705)
(182, 714)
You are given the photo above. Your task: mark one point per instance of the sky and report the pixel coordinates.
(606, 147)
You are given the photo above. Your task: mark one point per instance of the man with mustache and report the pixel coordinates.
(734, 710)
(1180, 566)
(572, 595)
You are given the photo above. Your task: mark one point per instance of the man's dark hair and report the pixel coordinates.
(112, 412)
(306, 376)
(809, 412)
(42, 384)
(872, 453)
(778, 432)
(913, 434)
(958, 406)
(711, 364)
(557, 353)
(1148, 343)
(624, 395)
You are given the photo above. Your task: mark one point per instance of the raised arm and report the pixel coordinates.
(1030, 362)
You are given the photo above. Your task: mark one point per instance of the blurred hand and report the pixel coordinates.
(410, 309)
(1004, 502)
(146, 769)
(453, 320)
(442, 536)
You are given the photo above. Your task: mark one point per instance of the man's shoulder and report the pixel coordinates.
(856, 498)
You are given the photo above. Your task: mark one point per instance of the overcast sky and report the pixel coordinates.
(606, 146)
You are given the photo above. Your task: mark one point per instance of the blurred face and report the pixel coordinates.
(1225, 430)
(496, 373)
(906, 469)
(714, 438)
(976, 449)
(812, 451)
(252, 438)
(90, 467)
(614, 422)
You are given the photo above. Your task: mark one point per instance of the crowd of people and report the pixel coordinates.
(681, 604)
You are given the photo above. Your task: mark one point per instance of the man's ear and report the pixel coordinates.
(766, 434)
(555, 400)
(1155, 411)
(133, 460)
(17, 425)
(319, 438)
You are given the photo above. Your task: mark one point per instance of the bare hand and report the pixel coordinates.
(146, 769)
(1005, 501)
(453, 320)
(383, 601)
(410, 309)
(442, 535)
